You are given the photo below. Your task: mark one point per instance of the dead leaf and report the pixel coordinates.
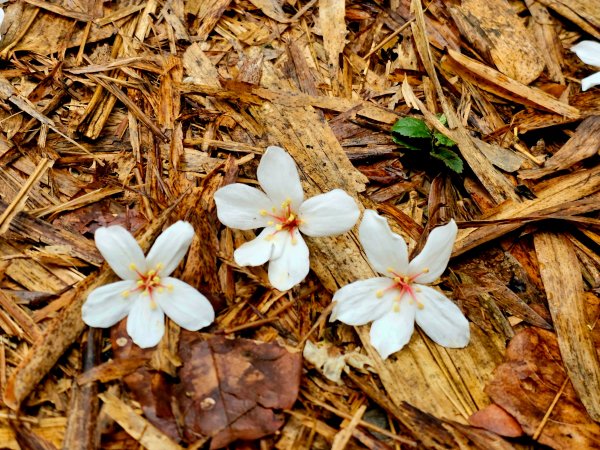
(528, 382)
(235, 388)
(496, 419)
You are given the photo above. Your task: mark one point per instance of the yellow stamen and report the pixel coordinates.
(420, 305)
(379, 294)
(263, 212)
(294, 241)
(426, 269)
(125, 294)
(151, 272)
(156, 280)
(390, 269)
(396, 307)
(140, 283)
(268, 237)
(270, 223)
(396, 279)
(170, 287)
(279, 227)
(152, 304)
(132, 266)
(159, 266)
(160, 290)
(418, 289)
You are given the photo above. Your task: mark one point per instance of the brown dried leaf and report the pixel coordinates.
(496, 419)
(233, 389)
(149, 387)
(528, 382)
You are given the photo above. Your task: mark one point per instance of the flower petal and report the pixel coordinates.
(278, 176)
(184, 305)
(239, 206)
(328, 214)
(170, 248)
(385, 249)
(121, 251)
(430, 264)
(393, 331)
(257, 251)
(441, 319)
(591, 81)
(588, 52)
(145, 324)
(106, 305)
(292, 266)
(357, 303)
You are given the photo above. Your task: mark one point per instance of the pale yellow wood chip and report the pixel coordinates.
(136, 426)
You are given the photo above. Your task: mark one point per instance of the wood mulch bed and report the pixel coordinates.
(134, 113)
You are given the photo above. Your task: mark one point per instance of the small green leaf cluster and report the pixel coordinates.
(413, 134)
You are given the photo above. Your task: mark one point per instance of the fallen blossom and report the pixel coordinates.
(146, 292)
(283, 212)
(394, 302)
(589, 53)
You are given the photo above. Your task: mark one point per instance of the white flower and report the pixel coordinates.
(147, 292)
(396, 301)
(281, 209)
(589, 53)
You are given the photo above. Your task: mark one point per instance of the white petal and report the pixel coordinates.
(184, 305)
(588, 52)
(257, 251)
(430, 264)
(278, 176)
(239, 206)
(145, 324)
(292, 266)
(328, 214)
(393, 331)
(591, 81)
(106, 305)
(1, 16)
(357, 303)
(121, 251)
(384, 249)
(170, 248)
(441, 319)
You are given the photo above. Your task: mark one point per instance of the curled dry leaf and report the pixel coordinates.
(331, 362)
(529, 381)
(235, 388)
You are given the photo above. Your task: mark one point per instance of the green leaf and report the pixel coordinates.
(404, 143)
(411, 127)
(449, 158)
(442, 140)
(442, 119)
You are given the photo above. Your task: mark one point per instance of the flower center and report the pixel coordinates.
(283, 220)
(403, 284)
(148, 283)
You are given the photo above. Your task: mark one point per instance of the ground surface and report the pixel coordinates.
(135, 112)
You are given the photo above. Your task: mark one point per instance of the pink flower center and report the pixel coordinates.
(403, 284)
(148, 283)
(283, 220)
